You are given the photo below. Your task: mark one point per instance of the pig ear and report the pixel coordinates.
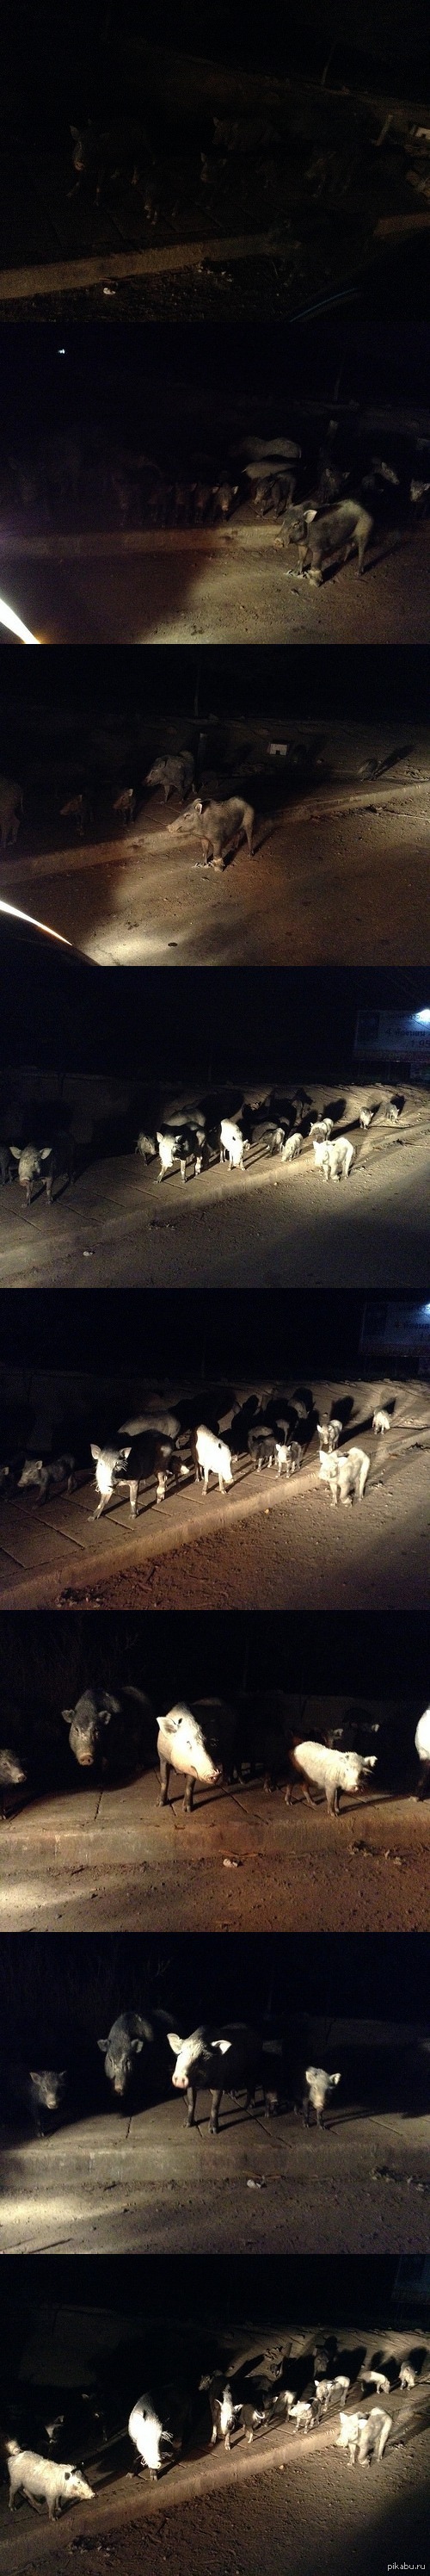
(67, 1714)
(311, 514)
(222, 2044)
(336, 2079)
(126, 1452)
(174, 2042)
(74, 130)
(103, 2044)
(16, 1150)
(44, 1151)
(95, 1451)
(137, 2045)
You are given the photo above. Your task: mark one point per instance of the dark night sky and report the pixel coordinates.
(159, 1333)
(45, 1657)
(384, 683)
(64, 1988)
(297, 2289)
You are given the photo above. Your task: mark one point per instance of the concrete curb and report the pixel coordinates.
(160, 1541)
(107, 267)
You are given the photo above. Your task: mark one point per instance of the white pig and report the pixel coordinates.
(213, 1458)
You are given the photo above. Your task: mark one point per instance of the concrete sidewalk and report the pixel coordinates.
(151, 2185)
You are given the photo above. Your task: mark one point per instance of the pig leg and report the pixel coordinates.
(133, 1492)
(165, 1768)
(189, 1797)
(332, 1796)
(96, 1516)
(424, 1780)
(48, 1187)
(306, 2111)
(215, 2111)
(191, 2106)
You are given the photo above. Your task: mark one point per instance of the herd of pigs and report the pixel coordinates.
(209, 1742)
(168, 2420)
(322, 495)
(170, 1450)
(192, 1141)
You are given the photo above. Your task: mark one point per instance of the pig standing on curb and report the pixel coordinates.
(423, 1753)
(319, 2088)
(38, 2094)
(12, 1775)
(125, 806)
(126, 2040)
(212, 1458)
(197, 1742)
(329, 1771)
(152, 2441)
(215, 2061)
(225, 2415)
(175, 775)
(52, 2482)
(43, 1474)
(132, 1465)
(103, 1735)
(232, 1144)
(375, 2379)
(30, 1159)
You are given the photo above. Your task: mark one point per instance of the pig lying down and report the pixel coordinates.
(52, 2482)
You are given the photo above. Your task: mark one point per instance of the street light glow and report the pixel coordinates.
(9, 618)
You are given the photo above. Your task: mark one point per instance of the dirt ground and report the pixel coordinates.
(234, 2516)
(115, 1860)
(270, 1225)
(242, 587)
(112, 2185)
(237, 2516)
(269, 1545)
(341, 874)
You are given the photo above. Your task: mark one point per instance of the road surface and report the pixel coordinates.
(269, 1225)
